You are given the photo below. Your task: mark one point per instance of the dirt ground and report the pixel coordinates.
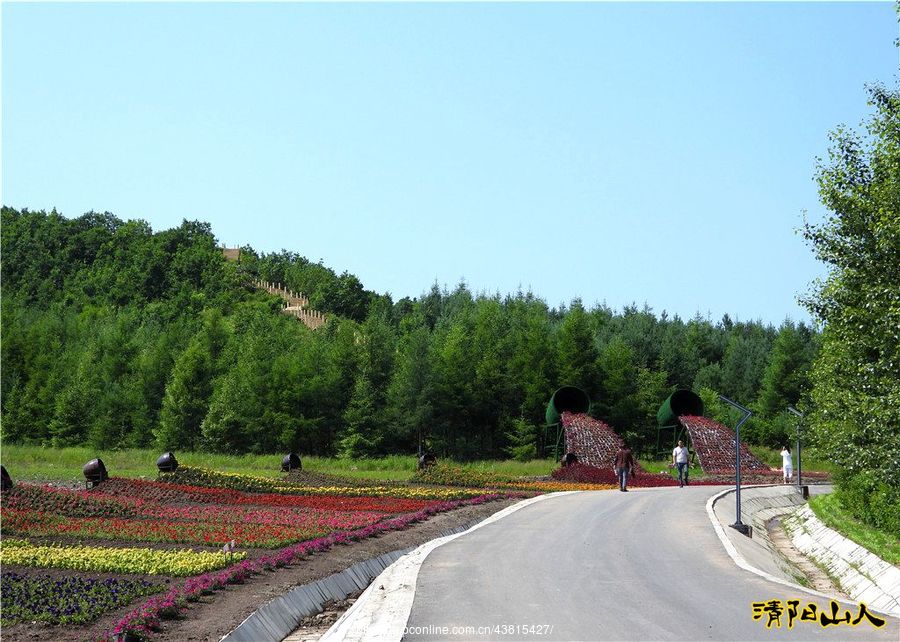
(215, 615)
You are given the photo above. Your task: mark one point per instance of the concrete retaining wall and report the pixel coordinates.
(278, 618)
(759, 505)
(862, 575)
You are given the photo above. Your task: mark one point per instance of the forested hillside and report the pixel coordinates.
(116, 335)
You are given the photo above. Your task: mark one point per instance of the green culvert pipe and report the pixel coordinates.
(680, 402)
(567, 398)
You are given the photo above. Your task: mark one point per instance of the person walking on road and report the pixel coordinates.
(624, 466)
(680, 459)
(787, 465)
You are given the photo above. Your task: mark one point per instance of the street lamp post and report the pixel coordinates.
(738, 525)
(799, 416)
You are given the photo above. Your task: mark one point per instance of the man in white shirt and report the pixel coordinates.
(680, 459)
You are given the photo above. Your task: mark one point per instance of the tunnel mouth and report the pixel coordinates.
(567, 399)
(679, 403)
(686, 402)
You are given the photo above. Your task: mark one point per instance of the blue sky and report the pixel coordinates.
(658, 153)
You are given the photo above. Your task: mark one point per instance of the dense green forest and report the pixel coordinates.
(115, 335)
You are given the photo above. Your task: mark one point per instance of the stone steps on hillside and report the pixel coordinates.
(296, 304)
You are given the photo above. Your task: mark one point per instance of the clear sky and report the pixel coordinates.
(658, 153)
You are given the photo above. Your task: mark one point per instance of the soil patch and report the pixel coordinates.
(217, 614)
(314, 627)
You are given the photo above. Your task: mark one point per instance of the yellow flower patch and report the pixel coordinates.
(113, 560)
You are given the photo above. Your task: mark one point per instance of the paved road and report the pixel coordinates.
(642, 565)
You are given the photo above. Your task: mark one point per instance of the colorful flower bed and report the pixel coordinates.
(170, 493)
(249, 513)
(447, 475)
(714, 445)
(559, 486)
(113, 560)
(592, 441)
(67, 600)
(146, 618)
(75, 503)
(208, 533)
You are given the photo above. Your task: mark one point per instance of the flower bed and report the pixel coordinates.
(146, 618)
(75, 503)
(113, 560)
(298, 520)
(560, 486)
(171, 493)
(208, 533)
(66, 600)
(592, 441)
(714, 445)
(447, 475)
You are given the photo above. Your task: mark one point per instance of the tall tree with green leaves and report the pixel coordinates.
(188, 393)
(576, 352)
(366, 417)
(410, 392)
(856, 389)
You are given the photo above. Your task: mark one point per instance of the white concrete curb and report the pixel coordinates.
(737, 557)
(381, 612)
(744, 564)
(863, 575)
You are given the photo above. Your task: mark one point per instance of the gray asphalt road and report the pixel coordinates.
(642, 565)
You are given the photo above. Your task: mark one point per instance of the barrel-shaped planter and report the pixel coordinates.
(6, 481)
(679, 403)
(291, 462)
(167, 463)
(95, 471)
(567, 399)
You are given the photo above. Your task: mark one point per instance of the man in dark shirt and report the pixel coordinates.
(624, 466)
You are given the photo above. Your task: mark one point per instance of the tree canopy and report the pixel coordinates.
(856, 388)
(117, 335)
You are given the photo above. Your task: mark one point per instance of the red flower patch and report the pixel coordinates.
(714, 445)
(177, 493)
(592, 441)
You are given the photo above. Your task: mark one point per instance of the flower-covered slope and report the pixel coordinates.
(714, 445)
(592, 441)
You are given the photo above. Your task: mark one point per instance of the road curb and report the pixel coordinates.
(741, 561)
(278, 618)
(861, 574)
(382, 611)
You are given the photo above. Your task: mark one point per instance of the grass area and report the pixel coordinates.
(38, 463)
(810, 459)
(392, 468)
(511, 467)
(884, 545)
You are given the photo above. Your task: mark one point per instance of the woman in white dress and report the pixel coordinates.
(786, 464)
